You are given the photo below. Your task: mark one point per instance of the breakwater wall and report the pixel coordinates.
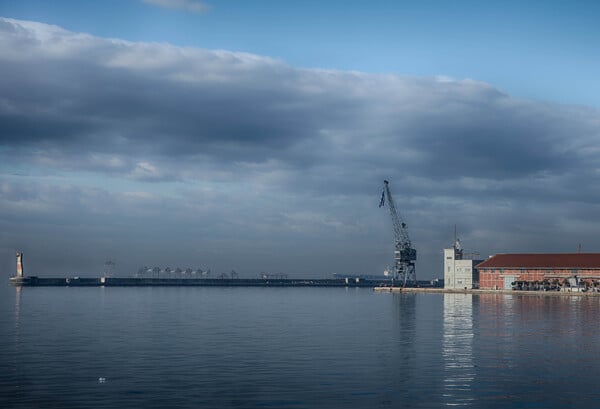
(188, 282)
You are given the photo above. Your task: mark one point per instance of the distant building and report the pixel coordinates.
(503, 271)
(460, 272)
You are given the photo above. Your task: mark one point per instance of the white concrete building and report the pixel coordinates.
(459, 273)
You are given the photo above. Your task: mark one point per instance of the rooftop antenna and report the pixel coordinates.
(458, 251)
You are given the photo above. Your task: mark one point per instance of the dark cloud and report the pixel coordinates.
(242, 161)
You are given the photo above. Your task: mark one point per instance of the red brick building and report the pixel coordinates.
(500, 271)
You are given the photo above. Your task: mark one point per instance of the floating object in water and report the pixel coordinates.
(101, 380)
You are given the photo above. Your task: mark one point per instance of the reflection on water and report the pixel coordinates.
(17, 304)
(496, 321)
(457, 350)
(404, 317)
(295, 348)
(17, 315)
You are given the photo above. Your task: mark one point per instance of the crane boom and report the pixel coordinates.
(404, 254)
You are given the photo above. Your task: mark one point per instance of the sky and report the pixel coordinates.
(256, 136)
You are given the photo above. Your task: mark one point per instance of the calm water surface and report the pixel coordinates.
(295, 348)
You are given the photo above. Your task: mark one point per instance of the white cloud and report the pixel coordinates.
(146, 171)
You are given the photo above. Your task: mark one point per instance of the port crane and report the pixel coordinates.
(404, 254)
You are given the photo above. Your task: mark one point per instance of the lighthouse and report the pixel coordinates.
(19, 264)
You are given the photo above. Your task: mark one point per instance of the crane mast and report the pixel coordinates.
(404, 255)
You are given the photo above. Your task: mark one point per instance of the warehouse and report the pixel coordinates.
(543, 270)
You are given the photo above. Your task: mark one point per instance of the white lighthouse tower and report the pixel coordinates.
(19, 264)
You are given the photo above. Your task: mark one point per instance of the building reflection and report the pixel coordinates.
(17, 318)
(12, 365)
(18, 290)
(457, 350)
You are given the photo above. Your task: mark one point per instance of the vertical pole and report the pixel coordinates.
(455, 237)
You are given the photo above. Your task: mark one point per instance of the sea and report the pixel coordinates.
(229, 347)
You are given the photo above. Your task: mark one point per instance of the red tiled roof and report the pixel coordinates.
(543, 260)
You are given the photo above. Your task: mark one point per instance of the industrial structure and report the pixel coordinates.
(404, 254)
(542, 270)
(460, 270)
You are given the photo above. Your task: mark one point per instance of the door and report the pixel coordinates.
(508, 280)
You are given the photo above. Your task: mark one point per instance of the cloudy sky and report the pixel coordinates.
(255, 136)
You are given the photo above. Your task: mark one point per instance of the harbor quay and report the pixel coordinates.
(431, 290)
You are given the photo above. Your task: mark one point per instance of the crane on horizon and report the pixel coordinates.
(404, 254)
